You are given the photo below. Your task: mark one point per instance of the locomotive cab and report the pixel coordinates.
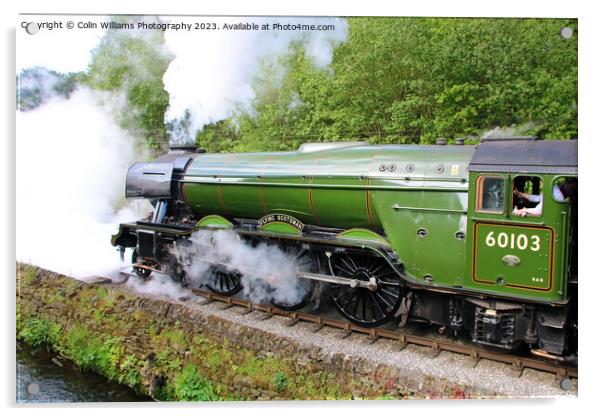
(521, 241)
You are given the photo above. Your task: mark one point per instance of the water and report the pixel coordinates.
(40, 380)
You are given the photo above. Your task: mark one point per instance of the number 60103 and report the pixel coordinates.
(513, 241)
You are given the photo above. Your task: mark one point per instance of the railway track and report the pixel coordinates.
(565, 373)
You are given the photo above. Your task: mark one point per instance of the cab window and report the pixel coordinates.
(527, 196)
(490, 194)
(565, 190)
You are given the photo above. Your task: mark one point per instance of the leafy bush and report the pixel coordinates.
(280, 382)
(192, 386)
(38, 331)
(129, 373)
(92, 353)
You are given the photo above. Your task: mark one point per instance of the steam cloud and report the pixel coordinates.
(72, 155)
(268, 273)
(509, 131)
(213, 69)
(71, 162)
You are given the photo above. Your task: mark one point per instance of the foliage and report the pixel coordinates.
(189, 365)
(192, 386)
(29, 275)
(130, 66)
(167, 361)
(134, 65)
(129, 373)
(37, 85)
(37, 331)
(100, 354)
(280, 381)
(395, 80)
(411, 80)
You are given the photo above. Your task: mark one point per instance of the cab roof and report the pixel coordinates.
(525, 156)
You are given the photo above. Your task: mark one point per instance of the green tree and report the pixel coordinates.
(411, 80)
(134, 64)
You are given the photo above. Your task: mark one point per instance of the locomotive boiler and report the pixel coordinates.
(477, 238)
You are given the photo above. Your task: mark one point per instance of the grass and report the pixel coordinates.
(29, 275)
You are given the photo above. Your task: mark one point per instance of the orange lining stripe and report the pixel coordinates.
(262, 204)
(220, 198)
(261, 198)
(368, 212)
(368, 202)
(311, 194)
(311, 203)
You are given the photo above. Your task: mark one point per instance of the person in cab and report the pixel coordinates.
(560, 193)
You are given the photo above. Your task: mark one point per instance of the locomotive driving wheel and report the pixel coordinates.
(224, 281)
(305, 261)
(374, 293)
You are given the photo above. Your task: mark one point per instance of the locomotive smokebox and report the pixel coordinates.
(149, 180)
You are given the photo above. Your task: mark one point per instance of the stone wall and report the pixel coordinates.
(175, 351)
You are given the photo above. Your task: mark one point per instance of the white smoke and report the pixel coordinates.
(159, 285)
(268, 273)
(71, 163)
(509, 131)
(213, 69)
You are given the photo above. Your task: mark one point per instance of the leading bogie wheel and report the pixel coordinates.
(176, 271)
(141, 272)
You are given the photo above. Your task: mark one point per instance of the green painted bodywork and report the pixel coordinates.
(280, 228)
(363, 235)
(413, 198)
(214, 221)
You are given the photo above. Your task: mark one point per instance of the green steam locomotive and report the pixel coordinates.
(477, 238)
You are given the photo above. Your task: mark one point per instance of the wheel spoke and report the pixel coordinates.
(344, 271)
(393, 295)
(304, 261)
(349, 301)
(357, 302)
(379, 267)
(228, 280)
(389, 273)
(350, 269)
(364, 306)
(385, 301)
(222, 281)
(347, 290)
(353, 263)
(373, 299)
(370, 302)
(384, 282)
